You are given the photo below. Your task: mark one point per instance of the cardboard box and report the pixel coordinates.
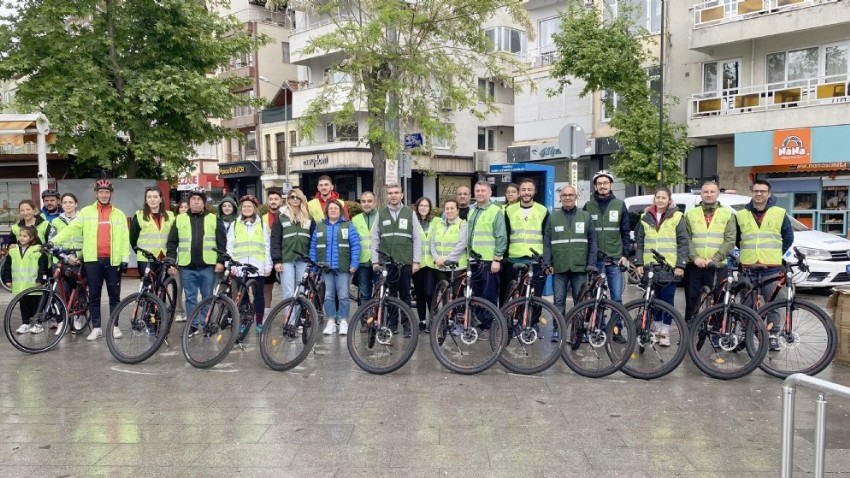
(842, 355)
(838, 306)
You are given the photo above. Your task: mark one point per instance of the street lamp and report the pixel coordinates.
(661, 104)
(285, 124)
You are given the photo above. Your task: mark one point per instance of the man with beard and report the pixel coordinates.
(325, 192)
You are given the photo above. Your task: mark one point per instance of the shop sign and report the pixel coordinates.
(187, 183)
(792, 146)
(240, 169)
(231, 170)
(545, 151)
(317, 161)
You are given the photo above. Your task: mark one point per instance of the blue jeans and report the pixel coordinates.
(559, 287)
(291, 276)
(366, 279)
(667, 294)
(197, 279)
(336, 285)
(615, 281)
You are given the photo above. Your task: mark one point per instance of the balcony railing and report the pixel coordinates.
(245, 155)
(787, 94)
(312, 24)
(714, 12)
(260, 15)
(274, 166)
(540, 57)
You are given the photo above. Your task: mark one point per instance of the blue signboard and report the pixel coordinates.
(413, 141)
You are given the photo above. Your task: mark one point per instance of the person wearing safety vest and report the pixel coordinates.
(336, 243)
(365, 277)
(423, 281)
(50, 204)
(106, 251)
(29, 268)
(448, 241)
(765, 237)
(397, 233)
(527, 228)
(662, 227)
(274, 201)
(573, 249)
(26, 208)
(507, 272)
(325, 192)
(248, 243)
(611, 219)
(486, 236)
(290, 236)
(69, 213)
(711, 230)
(192, 243)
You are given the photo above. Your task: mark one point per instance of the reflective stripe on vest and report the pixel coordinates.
(761, 244)
(526, 231)
(569, 241)
(446, 238)
(365, 233)
(607, 225)
(184, 233)
(481, 238)
(662, 240)
(708, 239)
(343, 246)
(152, 238)
(24, 269)
(249, 245)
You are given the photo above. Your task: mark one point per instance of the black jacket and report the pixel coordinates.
(197, 247)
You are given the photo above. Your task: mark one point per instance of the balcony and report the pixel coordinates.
(502, 118)
(274, 167)
(308, 30)
(262, 15)
(818, 101)
(718, 22)
(302, 97)
(240, 122)
(321, 145)
(540, 57)
(244, 155)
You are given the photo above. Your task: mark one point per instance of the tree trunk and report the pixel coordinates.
(379, 161)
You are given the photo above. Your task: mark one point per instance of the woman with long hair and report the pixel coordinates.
(424, 279)
(290, 236)
(248, 243)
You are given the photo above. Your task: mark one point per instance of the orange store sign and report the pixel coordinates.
(792, 146)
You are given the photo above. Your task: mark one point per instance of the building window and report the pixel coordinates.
(345, 132)
(244, 110)
(546, 29)
(701, 165)
(722, 77)
(334, 77)
(268, 147)
(506, 39)
(486, 139)
(793, 67)
(647, 13)
(654, 84)
(486, 89)
(284, 49)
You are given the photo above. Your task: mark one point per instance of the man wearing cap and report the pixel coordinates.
(192, 242)
(50, 204)
(106, 251)
(611, 218)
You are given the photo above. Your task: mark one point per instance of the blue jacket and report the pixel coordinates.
(332, 251)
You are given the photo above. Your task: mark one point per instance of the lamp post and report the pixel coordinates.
(661, 103)
(285, 125)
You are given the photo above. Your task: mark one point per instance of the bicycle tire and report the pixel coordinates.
(372, 347)
(524, 342)
(3, 263)
(45, 340)
(581, 356)
(168, 294)
(216, 336)
(715, 359)
(444, 343)
(511, 291)
(648, 344)
(280, 336)
(143, 330)
(818, 330)
(247, 314)
(442, 293)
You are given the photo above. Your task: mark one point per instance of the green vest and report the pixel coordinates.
(426, 260)
(251, 245)
(397, 234)
(445, 238)
(41, 228)
(569, 241)
(296, 238)
(24, 269)
(526, 231)
(761, 244)
(708, 239)
(480, 237)
(184, 245)
(85, 227)
(607, 226)
(344, 249)
(152, 238)
(365, 233)
(662, 240)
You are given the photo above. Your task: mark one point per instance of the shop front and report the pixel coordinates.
(808, 168)
(212, 184)
(243, 177)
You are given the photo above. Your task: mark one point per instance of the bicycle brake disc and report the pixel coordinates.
(597, 339)
(728, 342)
(384, 336)
(469, 336)
(528, 336)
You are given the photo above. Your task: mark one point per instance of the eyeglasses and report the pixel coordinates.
(568, 195)
(294, 197)
(603, 183)
(760, 191)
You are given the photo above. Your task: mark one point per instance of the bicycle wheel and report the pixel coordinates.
(527, 351)
(143, 322)
(373, 339)
(651, 358)
(732, 354)
(289, 333)
(78, 311)
(247, 314)
(168, 294)
(38, 336)
(209, 333)
(599, 338)
(807, 346)
(468, 339)
(4, 262)
(442, 293)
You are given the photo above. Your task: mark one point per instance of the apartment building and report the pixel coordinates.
(765, 84)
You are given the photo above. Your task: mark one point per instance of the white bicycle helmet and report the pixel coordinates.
(603, 173)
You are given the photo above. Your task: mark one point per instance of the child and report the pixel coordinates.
(29, 267)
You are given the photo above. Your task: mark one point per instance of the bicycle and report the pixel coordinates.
(144, 318)
(721, 332)
(4, 262)
(373, 345)
(469, 333)
(209, 338)
(54, 306)
(290, 330)
(530, 319)
(806, 341)
(656, 353)
(594, 323)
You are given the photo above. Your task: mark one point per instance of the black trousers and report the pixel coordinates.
(424, 283)
(97, 273)
(398, 284)
(695, 278)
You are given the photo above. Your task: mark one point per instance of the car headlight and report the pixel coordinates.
(815, 254)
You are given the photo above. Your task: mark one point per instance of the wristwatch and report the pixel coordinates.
(497, 258)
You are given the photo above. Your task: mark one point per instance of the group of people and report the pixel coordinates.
(573, 241)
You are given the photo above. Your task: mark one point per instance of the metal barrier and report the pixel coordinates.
(789, 392)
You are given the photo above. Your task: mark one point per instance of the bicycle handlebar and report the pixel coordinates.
(610, 261)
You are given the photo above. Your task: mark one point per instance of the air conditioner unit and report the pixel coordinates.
(479, 161)
(446, 104)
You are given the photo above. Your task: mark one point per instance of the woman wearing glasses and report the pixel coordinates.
(290, 236)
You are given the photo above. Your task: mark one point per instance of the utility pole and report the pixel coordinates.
(661, 103)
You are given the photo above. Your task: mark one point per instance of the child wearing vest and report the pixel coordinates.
(248, 242)
(29, 267)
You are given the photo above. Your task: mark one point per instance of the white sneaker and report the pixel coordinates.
(24, 328)
(343, 327)
(664, 340)
(116, 333)
(60, 327)
(52, 324)
(78, 323)
(36, 329)
(179, 318)
(95, 334)
(330, 328)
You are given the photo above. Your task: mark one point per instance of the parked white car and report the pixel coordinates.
(828, 255)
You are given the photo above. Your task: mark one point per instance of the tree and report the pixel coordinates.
(128, 85)
(611, 55)
(408, 62)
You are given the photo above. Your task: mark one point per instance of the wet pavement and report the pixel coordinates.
(75, 411)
